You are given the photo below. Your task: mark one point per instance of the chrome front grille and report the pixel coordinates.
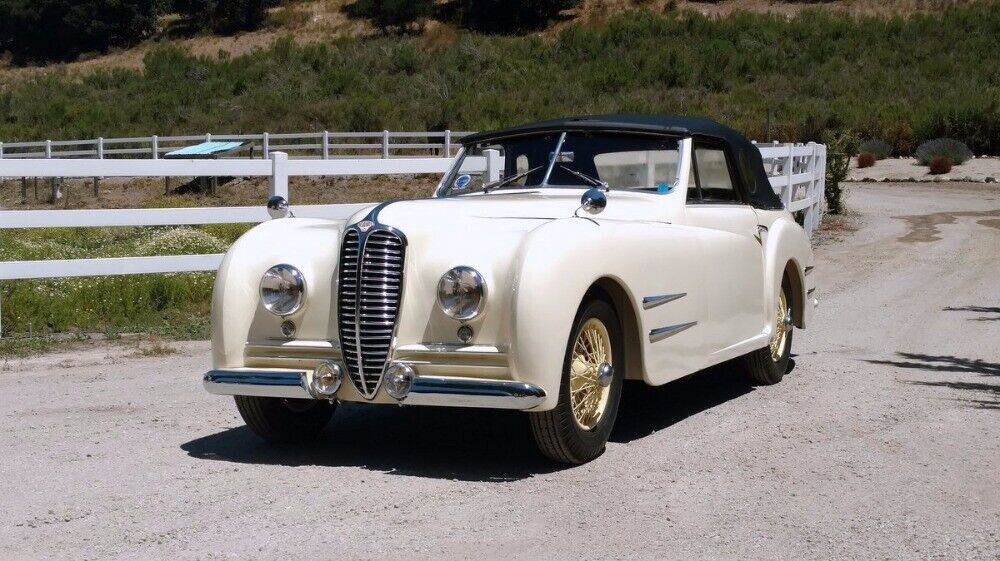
(371, 284)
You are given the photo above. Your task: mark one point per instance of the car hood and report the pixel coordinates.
(521, 209)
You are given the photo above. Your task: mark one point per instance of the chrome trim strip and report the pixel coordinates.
(473, 392)
(263, 383)
(662, 333)
(649, 302)
(809, 270)
(450, 348)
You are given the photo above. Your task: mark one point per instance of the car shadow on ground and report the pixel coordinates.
(463, 444)
(646, 410)
(947, 363)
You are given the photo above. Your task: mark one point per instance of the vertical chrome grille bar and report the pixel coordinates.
(370, 287)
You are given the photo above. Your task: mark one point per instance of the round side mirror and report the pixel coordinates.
(277, 207)
(594, 201)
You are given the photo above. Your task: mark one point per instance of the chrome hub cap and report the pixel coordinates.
(590, 360)
(782, 325)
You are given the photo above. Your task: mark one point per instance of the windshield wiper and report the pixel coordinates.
(508, 180)
(592, 180)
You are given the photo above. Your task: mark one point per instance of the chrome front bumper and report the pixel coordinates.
(426, 390)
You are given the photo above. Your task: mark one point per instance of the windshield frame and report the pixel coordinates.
(461, 158)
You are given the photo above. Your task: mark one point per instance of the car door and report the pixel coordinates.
(732, 255)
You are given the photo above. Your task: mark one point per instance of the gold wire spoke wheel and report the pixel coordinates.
(587, 397)
(781, 327)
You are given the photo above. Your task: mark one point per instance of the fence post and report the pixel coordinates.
(264, 144)
(1, 150)
(447, 143)
(494, 164)
(326, 145)
(156, 147)
(48, 149)
(385, 144)
(786, 195)
(279, 175)
(208, 137)
(100, 148)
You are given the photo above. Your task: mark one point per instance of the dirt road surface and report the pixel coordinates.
(882, 443)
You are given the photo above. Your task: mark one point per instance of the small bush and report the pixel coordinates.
(391, 13)
(224, 16)
(866, 160)
(949, 148)
(940, 165)
(876, 147)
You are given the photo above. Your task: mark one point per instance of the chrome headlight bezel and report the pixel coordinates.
(277, 274)
(463, 311)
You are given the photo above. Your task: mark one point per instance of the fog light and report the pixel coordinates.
(465, 334)
(326, 379)
(398, 380)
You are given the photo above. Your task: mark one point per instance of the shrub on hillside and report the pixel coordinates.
(224, 16)
(949, 148)
(62, 30)
(841, 145)
(940, 165)
(878, 148)
(510, 16)
(866, 160)
(387, 14)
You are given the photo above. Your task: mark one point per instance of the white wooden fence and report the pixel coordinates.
(305, 145)
(797, 175)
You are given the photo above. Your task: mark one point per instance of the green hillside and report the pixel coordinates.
(903, 79)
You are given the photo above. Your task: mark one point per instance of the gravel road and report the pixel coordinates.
(882, 443)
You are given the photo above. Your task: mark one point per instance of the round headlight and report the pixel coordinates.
(282, 290)
(461, 293)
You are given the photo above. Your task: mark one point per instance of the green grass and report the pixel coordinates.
(172, 305)
(921, 77)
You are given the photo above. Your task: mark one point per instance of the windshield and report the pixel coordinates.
(585, 159)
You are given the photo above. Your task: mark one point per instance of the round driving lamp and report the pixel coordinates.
(326, 379)
(462, 293)
(282, 290)
(398, 380)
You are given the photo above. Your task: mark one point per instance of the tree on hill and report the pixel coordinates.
(391, 14)
(223, 16)
(62, 30)
(510, 16)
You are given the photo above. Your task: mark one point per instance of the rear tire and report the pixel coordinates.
(767, 366)
(277, 419)
(577, 437)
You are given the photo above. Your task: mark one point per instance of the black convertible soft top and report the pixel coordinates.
(746, 156)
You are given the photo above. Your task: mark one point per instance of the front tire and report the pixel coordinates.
(767, 366)
(577, 429)
(277, 419)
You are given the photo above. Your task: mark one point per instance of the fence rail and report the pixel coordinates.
(796, 174)
(323, 145)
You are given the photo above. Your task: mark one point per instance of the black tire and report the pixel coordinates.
(761, 368)
(556, 432)
(285, 420)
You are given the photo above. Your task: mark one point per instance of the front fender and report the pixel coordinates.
(556, 265)
(311, 245)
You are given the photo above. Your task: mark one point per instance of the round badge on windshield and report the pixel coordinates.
(462, 181)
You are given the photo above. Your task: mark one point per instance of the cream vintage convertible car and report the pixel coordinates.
(554, 261)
